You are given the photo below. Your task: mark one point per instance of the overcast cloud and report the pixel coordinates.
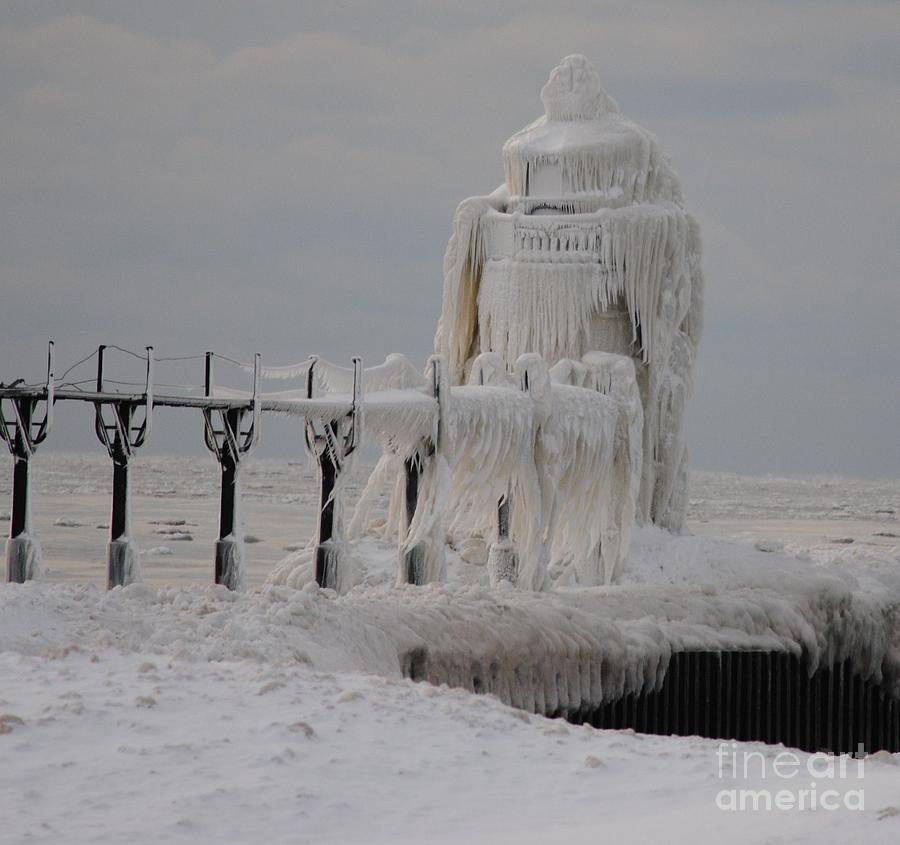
(279, 178)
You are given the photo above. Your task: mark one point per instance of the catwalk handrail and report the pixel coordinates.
(578, 423)
(227, 434)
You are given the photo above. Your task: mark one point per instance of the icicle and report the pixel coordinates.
(456, 334)
(648, 265)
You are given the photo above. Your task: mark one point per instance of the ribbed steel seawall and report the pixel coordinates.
(759, 696)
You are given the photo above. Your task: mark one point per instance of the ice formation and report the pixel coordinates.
(127, 559)
(559, 448)
(124, 554)
(26, 548)
(586, 247)
(230, 549)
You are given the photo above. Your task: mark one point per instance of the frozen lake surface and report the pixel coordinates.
(175, 513)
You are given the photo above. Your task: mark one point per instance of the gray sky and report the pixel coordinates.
(280, 177)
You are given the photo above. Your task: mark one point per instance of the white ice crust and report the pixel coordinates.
(612, 254)
(564, 445)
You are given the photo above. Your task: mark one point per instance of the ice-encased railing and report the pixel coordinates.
(551, 447)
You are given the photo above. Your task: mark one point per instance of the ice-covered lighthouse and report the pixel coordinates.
(586, 246)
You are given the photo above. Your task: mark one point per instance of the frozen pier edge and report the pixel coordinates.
(800, 658)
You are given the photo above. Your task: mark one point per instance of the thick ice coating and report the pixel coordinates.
(586, 248)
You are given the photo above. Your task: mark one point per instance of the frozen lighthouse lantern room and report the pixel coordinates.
(587, 257)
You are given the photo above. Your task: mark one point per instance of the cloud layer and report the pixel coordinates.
(262, 176)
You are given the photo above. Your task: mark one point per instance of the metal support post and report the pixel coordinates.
(225, 438)
(22, 434)
(331, 445)
(413, 559)
(116, 429)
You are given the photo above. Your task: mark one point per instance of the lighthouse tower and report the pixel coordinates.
(585, 247)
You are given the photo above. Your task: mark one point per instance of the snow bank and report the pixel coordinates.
(115, 748)
(550, 652)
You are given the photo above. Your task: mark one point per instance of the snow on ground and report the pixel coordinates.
(184, 713)
(120, 748)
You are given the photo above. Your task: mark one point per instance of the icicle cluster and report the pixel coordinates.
(562, 448)
(27, 548)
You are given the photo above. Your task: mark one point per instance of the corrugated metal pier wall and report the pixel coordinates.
(759, 696)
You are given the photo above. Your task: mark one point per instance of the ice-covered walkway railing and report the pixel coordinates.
(540, 465)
